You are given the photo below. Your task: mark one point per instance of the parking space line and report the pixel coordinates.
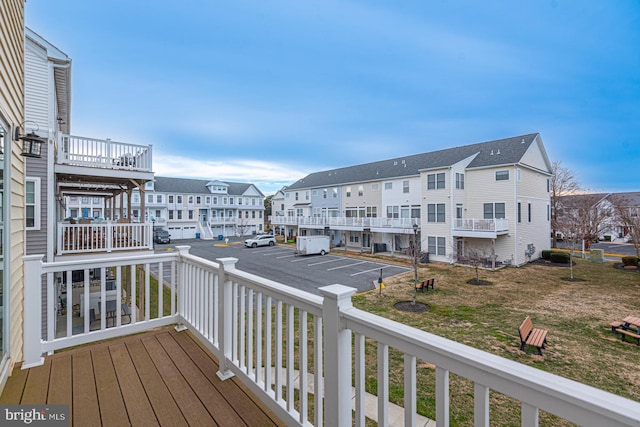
(325, 262)
(285, 256)
(345, 266)
(276, 253)
(373, 269)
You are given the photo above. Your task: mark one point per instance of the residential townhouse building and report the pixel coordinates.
(209, 209)
(489, 199)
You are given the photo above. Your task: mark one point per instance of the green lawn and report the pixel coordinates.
(577, 315)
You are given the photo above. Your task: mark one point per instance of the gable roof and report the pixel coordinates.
(198, 186)
(506, 151)
(631, 198)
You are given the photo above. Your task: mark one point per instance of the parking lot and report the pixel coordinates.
(308, 273)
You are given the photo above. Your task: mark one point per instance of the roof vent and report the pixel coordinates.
(498, 152)
(492, 152)
(522, 142)
(395, 163)
(403, 161)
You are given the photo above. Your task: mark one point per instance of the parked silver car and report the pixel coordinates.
(261, 240)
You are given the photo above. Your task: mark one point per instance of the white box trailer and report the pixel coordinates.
(309, 245)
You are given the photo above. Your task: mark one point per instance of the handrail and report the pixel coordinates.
(251, 324)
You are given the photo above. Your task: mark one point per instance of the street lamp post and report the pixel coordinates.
(153, 233)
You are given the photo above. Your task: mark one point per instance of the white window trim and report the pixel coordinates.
(36, 203)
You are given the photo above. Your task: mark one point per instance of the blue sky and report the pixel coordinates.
(269, 91)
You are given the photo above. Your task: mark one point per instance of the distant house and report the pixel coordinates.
(490, 198)
(196, 207)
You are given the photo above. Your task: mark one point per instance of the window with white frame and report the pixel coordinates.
(149, 198)
(437, 245)
(207, 200)
(529, 211)
(436, 181)
(253, 214)
(179, 214)
(388, 185)
(32, 203)
(286, 195)
(372, 211)
(179, 199)
(360, 190)
(171, 214)
(158, 198)
(335, 192)
(494, 210)
(306, 195)
(374, 187)
(415, 211)
(502, 175)
(459, 181)
(348, 191)
(393, 211)
(436, 212)
(230, 200)
(314, 193)
(296, 195)
(198, 200)
(135, 198)
(324, 193)
(190, 214)
(405, 186)
(170, 198)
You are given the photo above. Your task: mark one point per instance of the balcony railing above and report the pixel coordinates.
(102, 236)
(108, 154)
(276, 338)
(473, 227)
(357, 222)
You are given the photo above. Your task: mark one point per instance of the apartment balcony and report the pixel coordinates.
(393, 225)
(91, 165)
(217, 220)
(104, 154)
(270, 337)
(102, 236)
(480, 228)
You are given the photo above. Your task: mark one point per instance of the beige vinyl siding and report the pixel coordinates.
(12, 110)
(532, 189)
(534, 157)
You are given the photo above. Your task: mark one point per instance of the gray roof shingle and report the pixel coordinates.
(197, 186)
(506, 151)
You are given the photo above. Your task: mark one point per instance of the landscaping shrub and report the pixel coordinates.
(560, 257)
(630, 261)
(546, 254)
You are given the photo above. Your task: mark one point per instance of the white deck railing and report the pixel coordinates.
(81, 151)
(275, 338)
(102, 236)
(379, 222)
(481, 225)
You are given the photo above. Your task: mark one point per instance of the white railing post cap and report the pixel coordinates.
(183, 249)
(227, 262)
(337, 292)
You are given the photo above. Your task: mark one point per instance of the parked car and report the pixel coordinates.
(161, 236)
(261, 240)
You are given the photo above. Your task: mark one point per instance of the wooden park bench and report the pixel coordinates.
(425, 284)
(532, 336)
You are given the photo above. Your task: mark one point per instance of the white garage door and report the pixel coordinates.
(175, 233)
(189, 232)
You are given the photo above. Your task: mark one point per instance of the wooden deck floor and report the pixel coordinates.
(162, 377)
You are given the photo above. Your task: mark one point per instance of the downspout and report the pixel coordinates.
(515, 221)
(451, 206)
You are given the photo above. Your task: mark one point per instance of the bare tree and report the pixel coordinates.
(586, 216)
(241, 227)
(563, 183)
(476, 257)
(628, 214)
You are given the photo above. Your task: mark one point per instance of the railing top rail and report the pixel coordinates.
(106, 141)
(51, 267)
(525, 383)
(287, 294)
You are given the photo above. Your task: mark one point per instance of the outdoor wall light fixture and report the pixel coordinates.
(31, 142)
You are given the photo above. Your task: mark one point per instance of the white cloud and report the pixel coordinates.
(267, 176)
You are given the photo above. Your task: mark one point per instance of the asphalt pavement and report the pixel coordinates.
(281, 264)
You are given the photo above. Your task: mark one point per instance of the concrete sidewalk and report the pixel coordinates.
(396, 413)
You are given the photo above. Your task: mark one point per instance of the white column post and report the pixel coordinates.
(225, 318)
(182, 250)
(32, 311)
(337, 355)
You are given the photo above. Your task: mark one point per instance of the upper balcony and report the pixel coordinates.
(480, 228)
(376, 224)
(104, 154)
(275, 339)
